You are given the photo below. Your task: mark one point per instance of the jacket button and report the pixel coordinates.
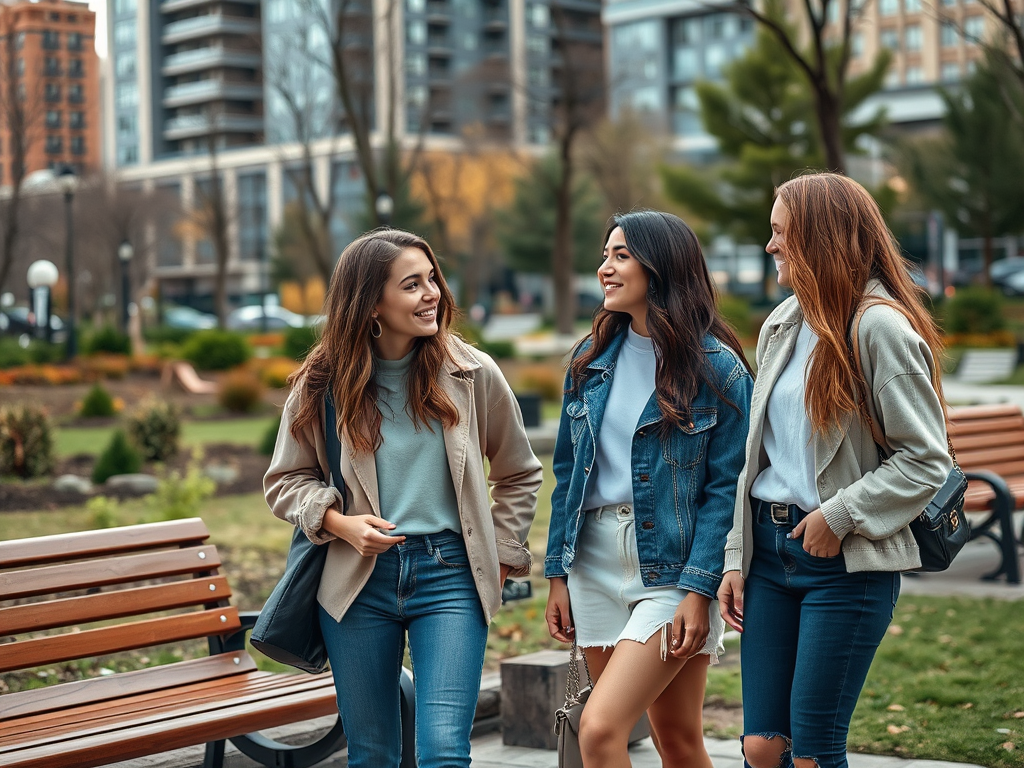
(640, 433)
(644, 478)
(647, 525)
(586, 470)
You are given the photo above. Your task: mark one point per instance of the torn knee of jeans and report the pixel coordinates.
(807, 757)
(769, 736)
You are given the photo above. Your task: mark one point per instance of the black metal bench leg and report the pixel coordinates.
(214, 757)
(408, 720)
(1008, 543)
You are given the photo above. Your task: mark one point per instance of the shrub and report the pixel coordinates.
(974, 310)
(108, 339)
(120, 457)
(26, 441)
(240, 391)
(155, 428)
(215, 350)
(736, 312)
(178, 496)
(543, 380)
(97, 402)
(498, 349)
(298, 342)
(269, 440)
(160, 334)
(43, 374)
(275, 371)
(12, 353)
(103, 511)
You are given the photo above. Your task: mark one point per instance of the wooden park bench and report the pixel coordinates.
(989, 443)
(83, 595)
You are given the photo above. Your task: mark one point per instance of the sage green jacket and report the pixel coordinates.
(868, 505)
(490, 426)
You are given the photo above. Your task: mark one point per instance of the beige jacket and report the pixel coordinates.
(490, 425)
(867, 504)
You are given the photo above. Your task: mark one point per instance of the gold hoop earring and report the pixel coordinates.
(376, 326)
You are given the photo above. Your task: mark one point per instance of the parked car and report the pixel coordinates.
(1005, 274)
(188, 318)
(251, 318)
(18, 320)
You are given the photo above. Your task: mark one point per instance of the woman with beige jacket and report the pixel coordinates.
(415, 544)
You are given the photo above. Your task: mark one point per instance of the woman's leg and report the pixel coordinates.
(447, 640)
(631, 681)
(677, 724)
(366, 649)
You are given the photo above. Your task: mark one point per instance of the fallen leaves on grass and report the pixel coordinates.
(896, 708)
(895, 730)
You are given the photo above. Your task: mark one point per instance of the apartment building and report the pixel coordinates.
(49, 66)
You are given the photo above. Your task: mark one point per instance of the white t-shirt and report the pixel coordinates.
(790, 477)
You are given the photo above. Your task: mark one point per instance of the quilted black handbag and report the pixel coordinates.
(288, 628)
(941, 530)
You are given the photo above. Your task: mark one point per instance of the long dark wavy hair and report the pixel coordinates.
(681, 311)
(342, 360)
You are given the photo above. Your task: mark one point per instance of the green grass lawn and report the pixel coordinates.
(244, 431)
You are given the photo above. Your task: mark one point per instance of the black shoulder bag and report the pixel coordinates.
(941, 530)
(288, 629)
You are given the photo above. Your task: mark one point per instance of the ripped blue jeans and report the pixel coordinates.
(810, 631)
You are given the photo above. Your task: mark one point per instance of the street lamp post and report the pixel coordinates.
(125, 251)
(68, 182)
(385, 206)
(42, 276)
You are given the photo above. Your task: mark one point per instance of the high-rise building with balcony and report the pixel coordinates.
(50, 74)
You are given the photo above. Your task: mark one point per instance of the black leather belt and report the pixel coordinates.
(780, 514)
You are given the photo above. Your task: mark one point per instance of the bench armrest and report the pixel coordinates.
(1004, 501)
(235, 641)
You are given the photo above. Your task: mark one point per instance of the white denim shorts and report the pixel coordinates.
(608, 598)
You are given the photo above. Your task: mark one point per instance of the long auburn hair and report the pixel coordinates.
(836, 241)
(342, 361)
(681, 310)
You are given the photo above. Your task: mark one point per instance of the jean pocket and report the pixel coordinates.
(453, 556)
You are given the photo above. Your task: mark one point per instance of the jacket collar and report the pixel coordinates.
(606, 360)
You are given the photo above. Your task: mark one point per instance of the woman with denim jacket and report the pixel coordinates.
(650, 443)
(422, 536)
(820, 532)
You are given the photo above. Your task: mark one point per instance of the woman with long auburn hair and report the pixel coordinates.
(416, 547)
(820, 530)
(649, 447)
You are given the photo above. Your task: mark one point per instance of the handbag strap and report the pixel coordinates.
(572, 681)
(333, 442)
(858, 374)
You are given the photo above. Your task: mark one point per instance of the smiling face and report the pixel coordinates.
(625, 281)
(777, 245)
(408, 308)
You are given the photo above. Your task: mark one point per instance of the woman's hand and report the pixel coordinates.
(819, 540)
(361, 531)
(503, 574)
(690, 626)
(557, 613)
(730, 600)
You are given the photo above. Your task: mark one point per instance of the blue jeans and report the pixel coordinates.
(424, 586)
(810, 631)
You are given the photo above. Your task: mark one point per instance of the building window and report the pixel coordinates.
(948, 37)
(948, 3)
(857, 44)
(252, 215)
(914, 76)
(950, 72)
(19, 41)
(974, 29)
(911, 6)
(52, 92)
(889, 38)
(417, 32)
(53, 118)
(416, 64)
(54, 16)
(124, 7)
(888, 7)
(75, 68)
(51, 40)
(54, 145)
(74, 41)
(892, 78)
(912, 37)
(124, 65)
(416, 6)
(51, 67)
(77, 120)
(539, 15)
(127, 155)
(19, 68)
(78, 145)
(686, 63)
(75, 94)
(124, 33)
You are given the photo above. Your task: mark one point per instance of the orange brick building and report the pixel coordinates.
(48, 63)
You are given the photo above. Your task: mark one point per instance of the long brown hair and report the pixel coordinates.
(681, 310)
(343, 361)
(835, 242)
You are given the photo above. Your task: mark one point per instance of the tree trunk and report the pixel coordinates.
(830, 127)
(562, 272)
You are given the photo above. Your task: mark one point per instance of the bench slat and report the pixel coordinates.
(67, 546)
(974, 412)
(989, 440)
(33, 617)
(141, 681)
(989, 457)
(961, 429)
(208, 696)
(112, 570)
(24, 654)
(131, 739)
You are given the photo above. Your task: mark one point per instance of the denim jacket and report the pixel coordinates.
(689, 477)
